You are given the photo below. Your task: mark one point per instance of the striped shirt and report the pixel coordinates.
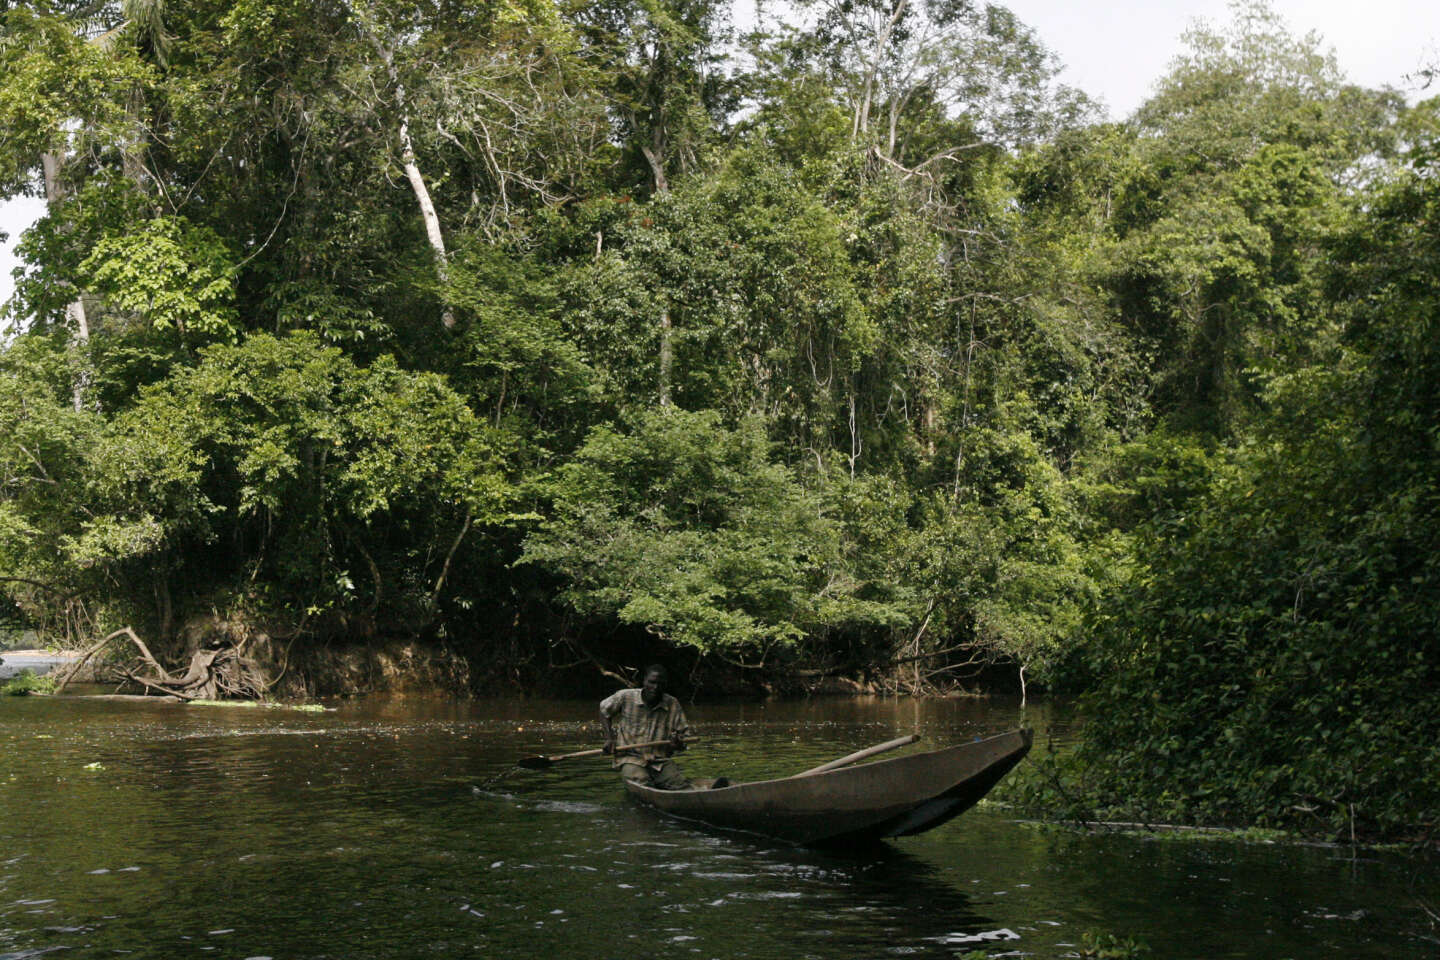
(634, 722)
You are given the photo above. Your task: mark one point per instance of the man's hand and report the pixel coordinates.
(678, 742)
(609, 747)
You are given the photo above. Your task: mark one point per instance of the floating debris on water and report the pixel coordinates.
(989, 936)
(267, 704)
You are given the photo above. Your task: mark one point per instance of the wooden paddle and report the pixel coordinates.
(859, 755)
(542, 762)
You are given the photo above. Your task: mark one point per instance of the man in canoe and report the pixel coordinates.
(640, 715)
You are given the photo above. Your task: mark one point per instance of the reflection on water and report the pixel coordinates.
(403, 828)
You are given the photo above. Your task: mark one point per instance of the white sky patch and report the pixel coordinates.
(15, 216)
(1116, 50)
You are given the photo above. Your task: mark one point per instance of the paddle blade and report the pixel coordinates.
(534, 763)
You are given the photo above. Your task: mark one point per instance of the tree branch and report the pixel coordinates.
(445, 569)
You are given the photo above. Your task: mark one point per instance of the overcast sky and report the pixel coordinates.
(1115, 50)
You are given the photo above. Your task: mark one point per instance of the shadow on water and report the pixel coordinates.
(875, 894)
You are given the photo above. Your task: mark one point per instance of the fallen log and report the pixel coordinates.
(158, 688)
(67, 673)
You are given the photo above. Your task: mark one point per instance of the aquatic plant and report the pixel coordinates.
(26, 682)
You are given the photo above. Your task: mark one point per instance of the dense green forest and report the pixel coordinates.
(565, 336)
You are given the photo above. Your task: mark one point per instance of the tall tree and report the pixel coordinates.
(662, 64)
(1250, 146)
(666, 92)
(893, 59)
(59, 106)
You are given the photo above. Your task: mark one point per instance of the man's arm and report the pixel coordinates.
(609, 746)
(679, 728)
(608, 708)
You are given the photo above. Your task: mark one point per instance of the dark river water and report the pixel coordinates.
(403, 829)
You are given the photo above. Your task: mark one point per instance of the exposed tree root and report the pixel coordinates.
(216, 672)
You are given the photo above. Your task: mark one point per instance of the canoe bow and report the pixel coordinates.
(888, 798)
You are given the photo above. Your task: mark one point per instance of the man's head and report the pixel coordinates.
(653, 688)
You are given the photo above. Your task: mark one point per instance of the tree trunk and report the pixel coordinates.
(132, 148)
(656, 158)
(861, 122)
(165, 606)
(667, 356)
(856, 443)
(427, 208)
(411, 166)
(74, 313)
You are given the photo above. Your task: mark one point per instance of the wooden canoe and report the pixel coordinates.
(887, 798)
